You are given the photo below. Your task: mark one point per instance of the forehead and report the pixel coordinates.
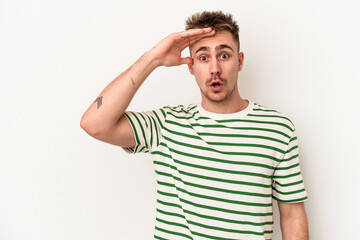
(223, 37)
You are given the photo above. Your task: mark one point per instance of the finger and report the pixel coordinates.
(187, 60)
(194, 32)
(202, 35)
(193, 40)
(187, 41)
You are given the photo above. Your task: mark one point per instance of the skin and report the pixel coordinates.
(293, 221)
(106, 122)
(214, 57)
(217, 58)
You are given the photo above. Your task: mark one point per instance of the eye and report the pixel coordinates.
(203, 58)
(224, 56)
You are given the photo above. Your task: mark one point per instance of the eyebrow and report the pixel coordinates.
(202, 49)
(220, 47)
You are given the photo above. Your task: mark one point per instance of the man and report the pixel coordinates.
(218, 164)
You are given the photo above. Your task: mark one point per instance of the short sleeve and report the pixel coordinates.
(288, 185)
(147, 128)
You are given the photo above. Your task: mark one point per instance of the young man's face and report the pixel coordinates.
(216, 65)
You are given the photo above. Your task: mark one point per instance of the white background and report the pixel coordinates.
(56, 182)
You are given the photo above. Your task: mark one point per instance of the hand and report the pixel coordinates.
(168, 51)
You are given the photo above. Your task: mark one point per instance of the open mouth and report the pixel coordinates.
(216, 86)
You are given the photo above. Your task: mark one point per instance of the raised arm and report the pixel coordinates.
(104, 119)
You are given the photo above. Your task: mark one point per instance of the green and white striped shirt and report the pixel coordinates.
(217, 173)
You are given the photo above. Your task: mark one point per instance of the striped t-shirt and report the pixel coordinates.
(217, 173)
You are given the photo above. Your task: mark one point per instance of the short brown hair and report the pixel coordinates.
(217, 20)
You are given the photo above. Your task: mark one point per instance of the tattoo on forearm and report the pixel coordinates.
(99, 101)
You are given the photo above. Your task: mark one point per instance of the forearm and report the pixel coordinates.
(104, 114)
(294, 225)
(110, 105)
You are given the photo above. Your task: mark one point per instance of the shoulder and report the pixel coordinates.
(271, 114)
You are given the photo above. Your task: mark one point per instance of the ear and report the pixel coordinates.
(241, 60)
(190, 66)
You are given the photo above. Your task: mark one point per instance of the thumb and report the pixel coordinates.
(187, 60)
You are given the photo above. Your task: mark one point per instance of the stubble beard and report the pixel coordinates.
(223, 99)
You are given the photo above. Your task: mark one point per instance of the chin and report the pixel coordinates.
(221, 97)
(217, 99)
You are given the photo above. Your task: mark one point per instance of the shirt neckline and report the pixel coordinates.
(219, 116)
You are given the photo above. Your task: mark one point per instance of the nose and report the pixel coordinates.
(215, 68)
